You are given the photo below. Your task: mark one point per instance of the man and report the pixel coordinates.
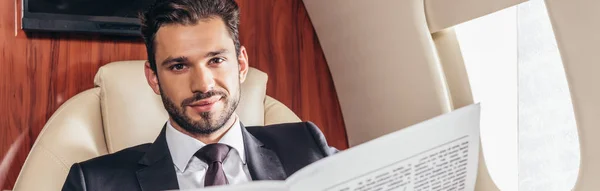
(196, 64)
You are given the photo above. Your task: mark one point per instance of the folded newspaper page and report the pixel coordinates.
(438, 154)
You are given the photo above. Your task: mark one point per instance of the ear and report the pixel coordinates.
(152, 78)
(243, 60)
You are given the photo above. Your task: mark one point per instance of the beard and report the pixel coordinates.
(211, 121)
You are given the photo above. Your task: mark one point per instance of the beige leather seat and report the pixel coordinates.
(119, 112)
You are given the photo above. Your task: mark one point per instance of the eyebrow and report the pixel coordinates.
(170, 59)
(216, 53)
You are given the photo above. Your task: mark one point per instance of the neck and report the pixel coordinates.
(208, 138)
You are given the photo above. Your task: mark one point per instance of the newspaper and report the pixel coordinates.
(438, 154)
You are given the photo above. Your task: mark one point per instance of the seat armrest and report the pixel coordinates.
(73, 134)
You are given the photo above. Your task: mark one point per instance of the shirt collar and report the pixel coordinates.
(183, 147)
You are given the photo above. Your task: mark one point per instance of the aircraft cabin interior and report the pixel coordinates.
(76, 83)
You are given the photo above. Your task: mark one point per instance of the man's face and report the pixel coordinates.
(198, 74)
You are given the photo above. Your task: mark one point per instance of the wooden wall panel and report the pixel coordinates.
(40, 71)
(282, 42)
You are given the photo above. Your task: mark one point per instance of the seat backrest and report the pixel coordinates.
(121, 111)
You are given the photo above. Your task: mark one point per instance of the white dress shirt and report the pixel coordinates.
(190, 170)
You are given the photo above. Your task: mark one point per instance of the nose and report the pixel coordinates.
(202, 80)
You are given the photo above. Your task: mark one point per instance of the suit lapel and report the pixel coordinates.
(263, 163)
(159, 172)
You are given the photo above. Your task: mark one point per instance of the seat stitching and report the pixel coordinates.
(55, 157)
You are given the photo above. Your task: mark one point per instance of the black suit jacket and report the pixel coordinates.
(272, 152)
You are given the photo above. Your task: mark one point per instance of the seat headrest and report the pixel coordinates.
(132, 113)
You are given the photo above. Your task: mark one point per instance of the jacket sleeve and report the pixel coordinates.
(320, 139)
(75, 180)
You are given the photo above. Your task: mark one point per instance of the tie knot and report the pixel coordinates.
(213, 153)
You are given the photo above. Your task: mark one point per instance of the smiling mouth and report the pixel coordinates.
(205, 105)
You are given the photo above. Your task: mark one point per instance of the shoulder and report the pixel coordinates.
(291, 136)
(108, 172)
(285, 130)
(126, 159)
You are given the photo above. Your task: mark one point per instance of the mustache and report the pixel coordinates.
(199, 96)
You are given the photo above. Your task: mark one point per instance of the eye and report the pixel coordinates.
(178, 67)
(217, 60)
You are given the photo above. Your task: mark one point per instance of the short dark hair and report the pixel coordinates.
(187, 12)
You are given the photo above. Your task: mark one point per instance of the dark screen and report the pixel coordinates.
(113, 8)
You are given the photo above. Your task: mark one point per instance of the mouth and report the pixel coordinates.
(205, 105)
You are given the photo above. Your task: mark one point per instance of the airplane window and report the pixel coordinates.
(548, 141)
(516, 71)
